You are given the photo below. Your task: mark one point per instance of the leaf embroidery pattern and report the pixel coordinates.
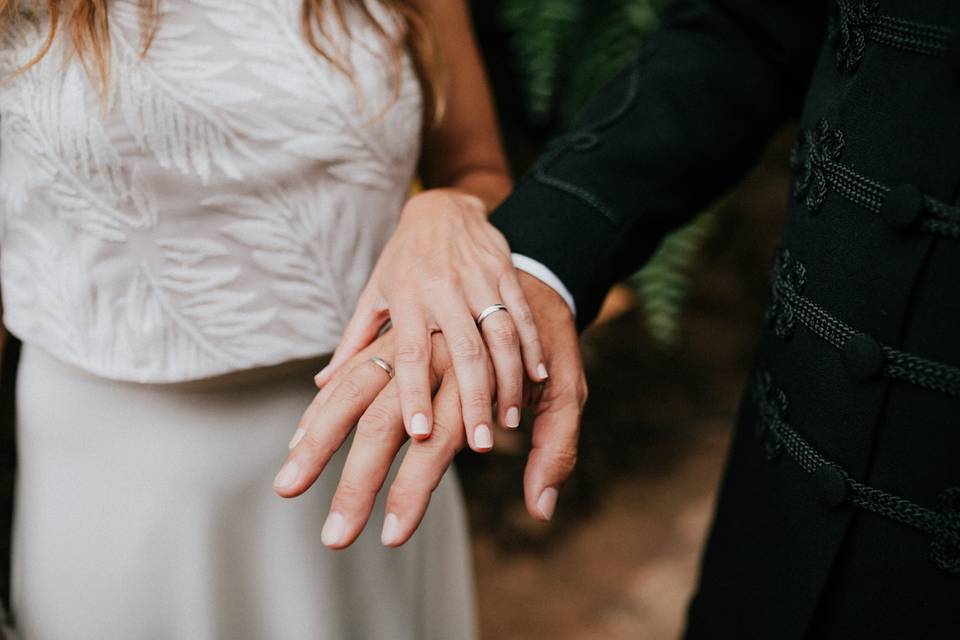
(296, 236)
(220, 208)
(345, 125)
(52, 124)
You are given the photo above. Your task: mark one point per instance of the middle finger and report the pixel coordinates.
(378, 438)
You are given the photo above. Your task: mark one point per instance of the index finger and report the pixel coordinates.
(327, 429)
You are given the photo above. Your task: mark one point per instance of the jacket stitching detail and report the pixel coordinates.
(586, 139)
(579, 192)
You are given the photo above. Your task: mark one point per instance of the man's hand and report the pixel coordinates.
(362, 394)
(559, 404)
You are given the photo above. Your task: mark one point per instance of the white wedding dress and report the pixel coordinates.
(177, 256)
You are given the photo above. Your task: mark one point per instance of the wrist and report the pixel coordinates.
(446, 200)
(541, 295)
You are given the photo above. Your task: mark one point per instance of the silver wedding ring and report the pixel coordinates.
(489, 311)
(383, 364)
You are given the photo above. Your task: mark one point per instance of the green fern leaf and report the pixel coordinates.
(664, 283)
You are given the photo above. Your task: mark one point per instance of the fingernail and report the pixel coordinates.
(316, 379)
(288, 475)
(513, 417)
(297, 437)
(391, 530)
(547, 503)
(542, 371)
(319, 375)
(419, 425)
(482, 438)
(333, 529)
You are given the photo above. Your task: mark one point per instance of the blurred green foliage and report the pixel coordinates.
(566, 51)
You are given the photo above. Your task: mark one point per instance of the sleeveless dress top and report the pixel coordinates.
(219, 207)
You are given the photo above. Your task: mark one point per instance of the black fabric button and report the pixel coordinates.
(952, 56)
(902, 206)
(863, 356)
(831, 484)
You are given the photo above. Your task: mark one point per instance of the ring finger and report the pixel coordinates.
(503, 343)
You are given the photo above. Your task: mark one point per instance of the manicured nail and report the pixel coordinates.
(419, 425)
(482, 438)
(391, 530)
(547, 503)
(319, 375)
(333, 529)
(512, 419)
(542, 371)
(288, 475)
(297, 437)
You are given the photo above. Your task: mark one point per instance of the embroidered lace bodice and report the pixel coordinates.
(220, 210)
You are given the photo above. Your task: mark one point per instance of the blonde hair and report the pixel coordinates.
(88, 24)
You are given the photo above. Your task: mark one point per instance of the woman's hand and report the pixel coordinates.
(443, 266)
(363, 394)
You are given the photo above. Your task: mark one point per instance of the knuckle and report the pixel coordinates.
(567, 393)
(523, 315)
(375, 424)
(563, 460)
(504, 335)
(440, 280)
(505, 272)
(404, 492)
(467, 348)
(411, 353)
(348, 391)
(415, 392)
(509, 390)
(442, 431)
(318, 446)
(350, 490)
(479, 400)
(443, 444)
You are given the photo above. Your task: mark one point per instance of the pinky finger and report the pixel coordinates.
(533, 360)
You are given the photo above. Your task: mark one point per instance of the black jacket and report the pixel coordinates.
(839, 514)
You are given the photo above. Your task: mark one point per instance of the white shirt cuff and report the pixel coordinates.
(547, 277)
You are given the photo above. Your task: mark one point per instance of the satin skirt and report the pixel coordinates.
(146, 511)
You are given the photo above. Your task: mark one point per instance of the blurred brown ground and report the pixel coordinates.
(621, 558)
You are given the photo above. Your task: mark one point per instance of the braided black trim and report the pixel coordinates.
(943, 524)
(817, 168)
(789, 305)
(859, 21)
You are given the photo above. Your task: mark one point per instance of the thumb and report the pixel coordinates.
(553, 457)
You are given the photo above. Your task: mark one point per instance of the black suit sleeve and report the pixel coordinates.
(667, 136)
